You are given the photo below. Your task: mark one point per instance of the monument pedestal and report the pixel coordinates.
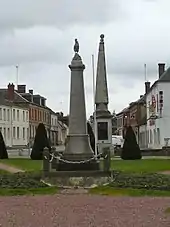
(79, 154)
(89, 166)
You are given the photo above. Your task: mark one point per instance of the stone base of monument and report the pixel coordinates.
(93, 165)
(81, 179)
(67, 173)
(67, 163)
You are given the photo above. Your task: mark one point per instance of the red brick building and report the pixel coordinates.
(38, 111)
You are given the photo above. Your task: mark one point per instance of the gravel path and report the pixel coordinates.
(83, 211)
(9, 168)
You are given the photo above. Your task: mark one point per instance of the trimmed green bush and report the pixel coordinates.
(122, 180)
(40, 142)
(3, 151)
(130, 150)
(150, 181)
(21, 181)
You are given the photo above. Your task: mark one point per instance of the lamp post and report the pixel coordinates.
(94, 121)
(124, 125)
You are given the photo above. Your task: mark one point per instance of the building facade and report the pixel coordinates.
(158, 111)
(123, 120)
(62, 133)
(54, 129)
(38, 112)
(14, 118)
(150, 115)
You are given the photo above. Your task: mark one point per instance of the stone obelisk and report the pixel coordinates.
(103, 115)
(78, 145)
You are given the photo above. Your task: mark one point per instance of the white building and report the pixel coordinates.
(14, 118)
(62, 133)
(54, 129)
(158, 111)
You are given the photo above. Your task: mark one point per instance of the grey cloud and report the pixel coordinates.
(61, 13)
(132, 71)
(33, 45)
(39, 37)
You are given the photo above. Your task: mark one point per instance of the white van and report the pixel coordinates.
(117, 141)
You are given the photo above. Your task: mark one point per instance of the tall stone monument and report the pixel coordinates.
(78, 145)
(102, 114)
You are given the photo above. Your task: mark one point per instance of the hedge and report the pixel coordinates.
(21, 181)
(151, 181)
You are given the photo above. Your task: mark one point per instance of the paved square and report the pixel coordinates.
(83, 211)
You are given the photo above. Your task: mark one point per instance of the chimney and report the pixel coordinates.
(147, 86)
(31, 92)
(21, 88)
(161, 68)
(11, 89)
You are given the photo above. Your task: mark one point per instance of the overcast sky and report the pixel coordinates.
(39, 36)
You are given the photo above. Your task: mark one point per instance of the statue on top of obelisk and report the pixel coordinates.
(76, 46)
(76, 50)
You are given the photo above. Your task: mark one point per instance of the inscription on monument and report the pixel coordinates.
(102, 130)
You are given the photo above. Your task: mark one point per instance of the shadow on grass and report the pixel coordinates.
(106, 190)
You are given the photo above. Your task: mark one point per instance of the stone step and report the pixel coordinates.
(73, 191)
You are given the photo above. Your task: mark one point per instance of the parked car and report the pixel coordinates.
(117, 141)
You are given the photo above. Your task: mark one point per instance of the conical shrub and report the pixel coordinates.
(40, 142)
(131, 150)
(3, 150)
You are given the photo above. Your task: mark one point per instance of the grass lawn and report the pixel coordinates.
(25, 164)
(32, 191)
(106, 190)
(3, 171)
(136, 166)
(143, 165)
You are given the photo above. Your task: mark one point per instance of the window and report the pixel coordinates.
(4, 133)
(4, 114)
(27, 116)
(35, 115)
(33, 131)
(155, 137)
(40, 116)
(24, 133)
(8, 115)
(14, 135)
(17, 115)
(14, 114)
(8, 133)
(23, 115)
(27, 133)
(151, 137)
(17, 132)
(102, 130)
(147, 137)
(0, 113)
(30, 131)
(158, 135)
(30, 114)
